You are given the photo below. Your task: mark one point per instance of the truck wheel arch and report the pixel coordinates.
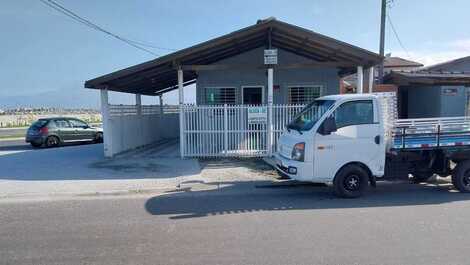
(362, 165)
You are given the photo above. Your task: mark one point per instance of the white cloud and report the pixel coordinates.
(445, 52)
(463, 44)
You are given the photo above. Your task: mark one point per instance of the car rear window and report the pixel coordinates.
(39, 123)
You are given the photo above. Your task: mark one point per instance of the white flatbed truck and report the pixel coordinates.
(352, 141)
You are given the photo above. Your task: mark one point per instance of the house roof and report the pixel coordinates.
(400, 62)
(421, 77)
(450, 65)
(159, 75)
(389, 62)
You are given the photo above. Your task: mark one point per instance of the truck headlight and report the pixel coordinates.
(298, 152)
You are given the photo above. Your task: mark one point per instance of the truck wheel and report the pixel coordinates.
(350, 182)
(419, 177)
(461, 176)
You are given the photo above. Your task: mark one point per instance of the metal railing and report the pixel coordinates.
(125, 110)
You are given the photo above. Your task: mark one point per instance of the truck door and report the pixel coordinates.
(357, 139)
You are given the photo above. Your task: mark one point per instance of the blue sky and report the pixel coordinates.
(42, 50)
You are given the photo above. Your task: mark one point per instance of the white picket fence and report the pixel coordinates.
(224, 130)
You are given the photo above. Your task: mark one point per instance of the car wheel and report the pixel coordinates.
(36, 145)
(52, 141)
(419, 177)
(98, 137)
(461, 176)
(351, 182)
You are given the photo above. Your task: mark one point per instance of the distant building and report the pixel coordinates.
(440, 90)
(348, 83)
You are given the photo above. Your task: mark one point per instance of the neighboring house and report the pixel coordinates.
(440, 90)
(457, 65)
(348, 83)
(231, 71)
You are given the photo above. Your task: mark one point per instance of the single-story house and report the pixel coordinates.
(270, 68)
(427, 94)
(391, 63)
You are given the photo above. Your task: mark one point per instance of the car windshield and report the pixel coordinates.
(307, 118)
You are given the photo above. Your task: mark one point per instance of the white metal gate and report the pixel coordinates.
(224, 130)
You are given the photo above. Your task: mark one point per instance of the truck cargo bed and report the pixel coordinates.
(430, 133)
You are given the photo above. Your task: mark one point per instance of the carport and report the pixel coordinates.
(222, 130)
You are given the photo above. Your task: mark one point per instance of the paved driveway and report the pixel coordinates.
(83, 169)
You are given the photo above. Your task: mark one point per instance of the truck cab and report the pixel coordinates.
(337, 139)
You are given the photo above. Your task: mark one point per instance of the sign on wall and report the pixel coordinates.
(257, 115)
(450, 91)
(270, 56)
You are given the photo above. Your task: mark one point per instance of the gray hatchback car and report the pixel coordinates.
(52, 132)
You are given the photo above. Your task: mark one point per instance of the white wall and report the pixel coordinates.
(132, 131)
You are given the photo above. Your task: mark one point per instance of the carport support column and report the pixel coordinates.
(138, 106)
(371, 79)
(270, 110)
(106, 120)
(160, 97)
(181, 102)
(360, 80)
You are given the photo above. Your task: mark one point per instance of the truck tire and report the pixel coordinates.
(350, 182)
(461, 176)
(419, 177)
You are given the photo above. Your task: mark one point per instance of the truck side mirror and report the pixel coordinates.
(328, 126)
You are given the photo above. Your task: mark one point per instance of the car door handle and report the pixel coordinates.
(377, 139)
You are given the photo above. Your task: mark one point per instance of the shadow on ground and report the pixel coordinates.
(284, 197)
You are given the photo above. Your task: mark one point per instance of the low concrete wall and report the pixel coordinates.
(133, 131)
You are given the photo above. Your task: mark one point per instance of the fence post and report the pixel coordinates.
(181, 109)
(225, 130)
(270, 111)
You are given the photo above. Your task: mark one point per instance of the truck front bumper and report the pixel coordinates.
(301, 171)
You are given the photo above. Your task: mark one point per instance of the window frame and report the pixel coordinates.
(64, 120)
(351, 102)
(263, 101)
(206, 101)
(289, 87)
(70, 121)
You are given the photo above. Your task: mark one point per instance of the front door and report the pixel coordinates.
(357, 139)
(252, 95)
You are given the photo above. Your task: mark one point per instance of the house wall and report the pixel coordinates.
(423, 101)
(432, 101)
(453, 104)
(128, 132)
(283, 78)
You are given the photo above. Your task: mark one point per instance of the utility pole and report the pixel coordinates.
(382, 39)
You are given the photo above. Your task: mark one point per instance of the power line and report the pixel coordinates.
(136, 44)
(396, 35)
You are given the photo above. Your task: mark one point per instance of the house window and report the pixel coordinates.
(220, 95)
(303, 94)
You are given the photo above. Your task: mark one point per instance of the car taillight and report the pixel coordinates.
(44, 130)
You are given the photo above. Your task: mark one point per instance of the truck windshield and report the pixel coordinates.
(307, 118)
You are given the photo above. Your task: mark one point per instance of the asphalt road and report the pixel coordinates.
(395, 224)
(14, 145)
